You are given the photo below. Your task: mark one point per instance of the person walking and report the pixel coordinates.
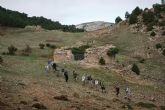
(117, 89)
(75, 75)
(66, 75)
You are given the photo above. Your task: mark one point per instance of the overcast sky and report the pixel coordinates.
(77, 11)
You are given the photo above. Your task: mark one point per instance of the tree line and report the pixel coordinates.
(16, 19)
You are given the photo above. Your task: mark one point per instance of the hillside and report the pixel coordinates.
(92, 26)
(25, 85)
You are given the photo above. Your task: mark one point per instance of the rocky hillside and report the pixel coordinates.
(92, 26)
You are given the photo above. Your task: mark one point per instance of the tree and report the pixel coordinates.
(12, 50)
(101, 61)
(135, 69)
(135, 13)
(127, 15)
(118, 19)
(112, 52)
(16, 19)
(148, 17)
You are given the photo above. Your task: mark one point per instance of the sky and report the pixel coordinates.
(77, 11)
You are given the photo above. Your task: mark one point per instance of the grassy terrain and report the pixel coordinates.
(23, 78)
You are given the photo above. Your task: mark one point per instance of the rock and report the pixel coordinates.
(39, 106)
(62, 97)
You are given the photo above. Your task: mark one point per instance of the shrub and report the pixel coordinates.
(1, 60)
(53, 46)
(101, 61)
(12, 50)
(163, 33)
(145, 105)
(148, 17)
(41, 46)
(142, 60)
(162, 107)
(118, 19)
(158, 46)
(135, 69)
(150, 27)
(26, 51)
(4, 53)
(78, 52)
(133, 19)
(112, 52)
(152, 33)
(163, 52)
(47, 45)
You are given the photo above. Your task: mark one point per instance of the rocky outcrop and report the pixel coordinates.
(93, 55)
(92, 26)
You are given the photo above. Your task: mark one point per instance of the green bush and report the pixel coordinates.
(47, 45)
(148, 17)
(1, 60)
(26, 51)
(53, 46)
(163, 33)
(163, 52)
(158, 46)
(118, 19)
(135, 69)
(112, 52)
(41, 46)
(79, 52)
(101, 61)
(12, 50)
(133, 19)
(152, 33)
(142, 60)
(150, 27)
(145, 105)
(162, 107)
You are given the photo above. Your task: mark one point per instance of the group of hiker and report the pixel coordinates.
(85, 79)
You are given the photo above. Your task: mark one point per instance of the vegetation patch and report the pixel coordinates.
(41, 46)
(102, 61)
(162, 107)
(135, 69)
(145, 105)
(158, 46)
(112, 52)
(152, 33)
(79, 52)
(11, 50)
(1, 60)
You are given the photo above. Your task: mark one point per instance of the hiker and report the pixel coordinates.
(75, 75)
(54, 66)
(83, 78)
(46, 68)
(66, 75)
(102, 87)
(117, 89)
(49, 63)
(89, 79)
(128, 93)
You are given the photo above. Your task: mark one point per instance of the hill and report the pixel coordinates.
(25, 85)
(92, 26)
